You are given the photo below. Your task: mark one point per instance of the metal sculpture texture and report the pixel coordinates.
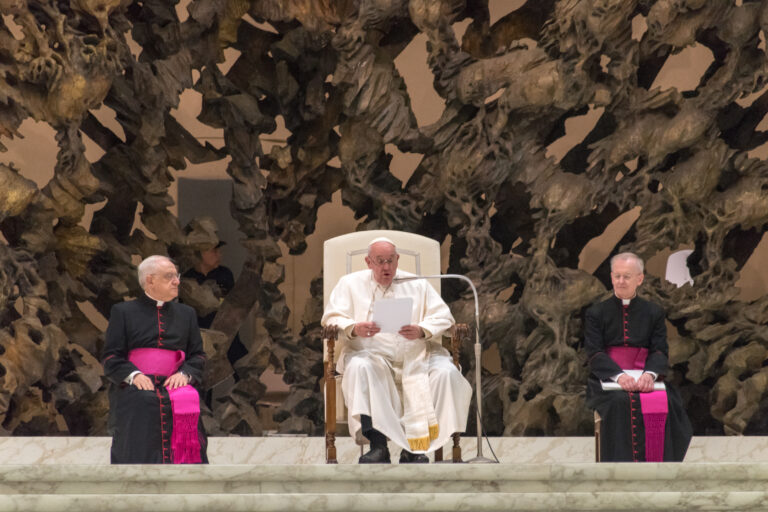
(517, 219)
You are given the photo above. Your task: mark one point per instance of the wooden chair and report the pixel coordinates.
(598, 425)
(343, 255)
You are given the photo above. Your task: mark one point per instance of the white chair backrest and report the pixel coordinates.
(346, 253)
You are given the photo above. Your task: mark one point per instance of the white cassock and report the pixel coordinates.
(410, 388)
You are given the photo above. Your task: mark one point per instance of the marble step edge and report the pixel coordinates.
(367, 487)
(310, 450)
(574, 472)
(380, 479)
(426, 502)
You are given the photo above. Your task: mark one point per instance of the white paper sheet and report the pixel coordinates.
(392, 314)
(635, 374)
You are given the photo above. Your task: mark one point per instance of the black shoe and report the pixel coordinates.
(407, 457)
(377, 455)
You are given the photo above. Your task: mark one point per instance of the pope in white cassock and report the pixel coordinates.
(402, 386)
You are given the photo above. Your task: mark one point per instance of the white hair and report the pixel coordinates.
(149, 265)
(628, 256)
(379, 240)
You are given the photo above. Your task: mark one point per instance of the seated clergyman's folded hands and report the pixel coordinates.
(644, 384)
(176, 380)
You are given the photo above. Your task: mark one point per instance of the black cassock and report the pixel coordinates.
(638, 324)
(140, 421)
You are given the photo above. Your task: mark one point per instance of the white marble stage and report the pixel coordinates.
(287, 473)
(310, 450)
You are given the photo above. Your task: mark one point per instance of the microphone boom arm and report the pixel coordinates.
(478, 359)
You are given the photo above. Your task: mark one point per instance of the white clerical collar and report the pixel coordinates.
(159, 302)
(377, 284)
(625, 302)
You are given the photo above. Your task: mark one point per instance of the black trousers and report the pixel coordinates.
(376, 438)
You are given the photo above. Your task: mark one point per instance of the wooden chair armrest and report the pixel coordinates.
(459, 334)
(330, 334)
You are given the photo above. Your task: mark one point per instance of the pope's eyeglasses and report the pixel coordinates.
(380, 262)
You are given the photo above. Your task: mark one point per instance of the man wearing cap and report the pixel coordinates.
(153, 354)
(203, 238)
(209, 267)
(402, 386)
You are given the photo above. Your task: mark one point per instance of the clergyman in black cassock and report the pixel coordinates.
(627, 322)
(142, 415)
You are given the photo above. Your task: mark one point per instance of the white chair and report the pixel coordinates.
(345, 254)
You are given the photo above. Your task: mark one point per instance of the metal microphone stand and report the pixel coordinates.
(479, 459)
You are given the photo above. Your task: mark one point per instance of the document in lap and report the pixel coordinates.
(392, 314)
(635, 374)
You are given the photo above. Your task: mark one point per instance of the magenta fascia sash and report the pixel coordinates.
(185, 401)
(654, 404)
(156, 361)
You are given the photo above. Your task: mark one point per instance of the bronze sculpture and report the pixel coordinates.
(517, 218)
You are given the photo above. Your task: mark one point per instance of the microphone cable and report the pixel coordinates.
(487, 441)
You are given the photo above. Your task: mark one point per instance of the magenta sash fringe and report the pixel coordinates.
(654, 404)
(655, 408)
(185, 444)
(185, 401)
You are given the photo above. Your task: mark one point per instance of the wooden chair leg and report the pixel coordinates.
(457, 447)
(598, 425)
(330, 400)
(459, 333)
(439, 455)
(330, 420)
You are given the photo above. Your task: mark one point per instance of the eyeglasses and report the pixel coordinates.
(170, 276)
(623, 277)
(380, 262)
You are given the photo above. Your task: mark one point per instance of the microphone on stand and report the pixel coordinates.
(479, 459)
